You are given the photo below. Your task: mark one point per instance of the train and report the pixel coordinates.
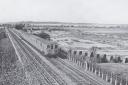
(46, 47)
(51, 48)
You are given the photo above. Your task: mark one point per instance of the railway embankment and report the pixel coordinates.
(11, 71)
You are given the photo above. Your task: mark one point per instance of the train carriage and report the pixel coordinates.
(46, 46)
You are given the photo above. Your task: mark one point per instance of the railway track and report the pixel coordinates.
(74, 77)
(85, 76)
(50, 76)
(31, 66)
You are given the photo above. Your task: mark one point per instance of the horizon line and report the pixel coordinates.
(61, 22)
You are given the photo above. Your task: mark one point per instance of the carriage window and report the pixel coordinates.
(55, 46)
(74, 52)
(80, 53)
(51, 46)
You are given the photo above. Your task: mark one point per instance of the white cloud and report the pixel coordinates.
(95, 11)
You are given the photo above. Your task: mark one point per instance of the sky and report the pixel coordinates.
(78, 11)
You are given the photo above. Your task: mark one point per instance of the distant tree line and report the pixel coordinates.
(115, 60)
(104, 59)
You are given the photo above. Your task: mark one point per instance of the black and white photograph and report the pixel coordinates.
(63, 42)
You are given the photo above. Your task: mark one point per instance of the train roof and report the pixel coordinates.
(42, 40)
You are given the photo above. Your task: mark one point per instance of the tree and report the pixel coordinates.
(19, 26)
(126, 60)
(92, 55)
(104, 59)
(111, 59)
(119, 60)
(98, 60)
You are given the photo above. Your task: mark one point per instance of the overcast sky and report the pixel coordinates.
(87, 11)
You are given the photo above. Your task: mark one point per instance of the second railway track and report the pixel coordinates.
(84, 75)
(50, 76)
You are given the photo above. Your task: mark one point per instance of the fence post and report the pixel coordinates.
(126, 83)
(86, 67)
(92, 67)
(102, 75)
(116, 81)
(99, 72)
(107, 77)
(95, 71)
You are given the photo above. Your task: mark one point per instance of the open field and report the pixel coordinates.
(118, 39)
(105, 30)
(117, 68)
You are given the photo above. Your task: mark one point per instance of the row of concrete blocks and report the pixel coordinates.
(107, 76)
